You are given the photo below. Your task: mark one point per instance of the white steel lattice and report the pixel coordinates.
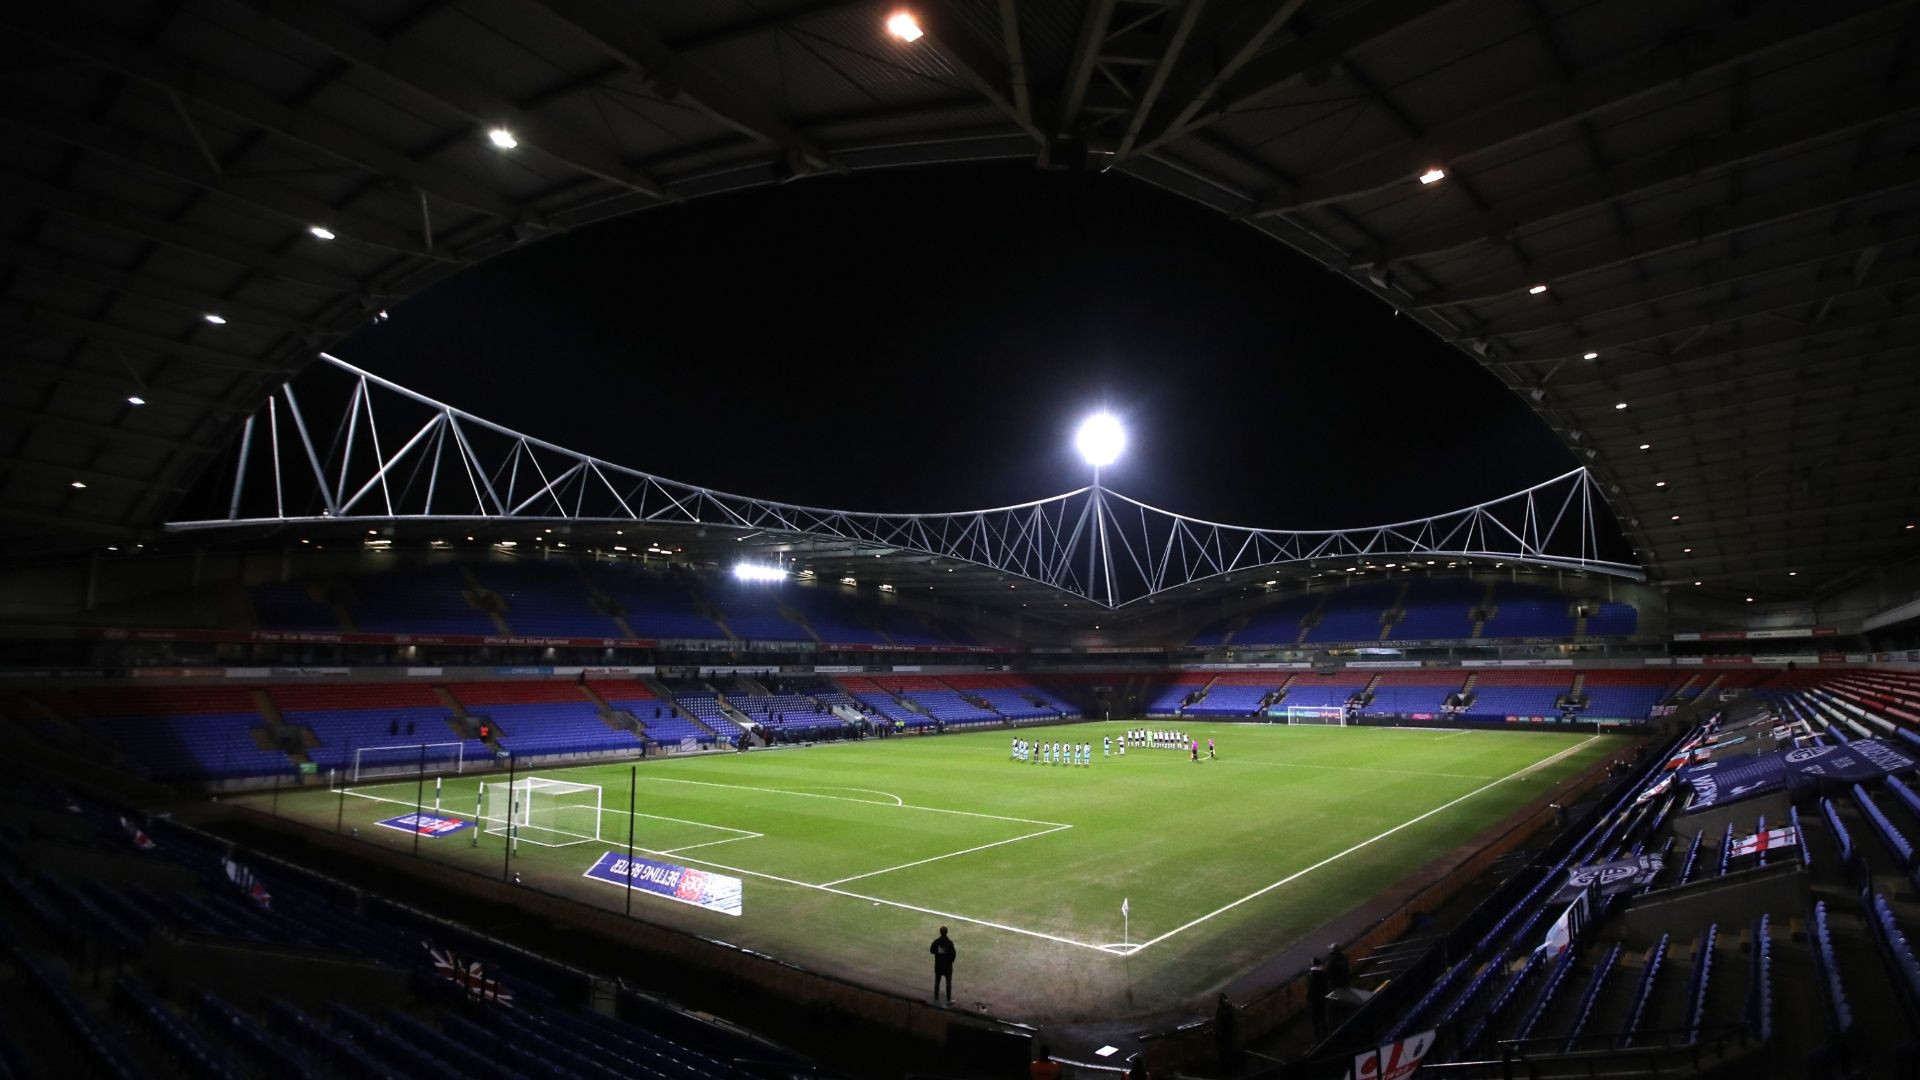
(453, 467)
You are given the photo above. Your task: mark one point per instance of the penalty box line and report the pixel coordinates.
(1297, 874)
(744, 834)
(832, 887)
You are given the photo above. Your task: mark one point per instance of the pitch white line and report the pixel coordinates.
(1354, 768)
(948, 855)
(951, 916)
(746, 834)
(1454, 735)
(1542, 763)
(897, 800)
(710, 843)
(843, 798)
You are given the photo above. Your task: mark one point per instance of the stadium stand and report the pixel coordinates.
(1170, 697)
(833, 616)
(1237, 693)
(1497, 694)
(656, 604)
(880, 701)
(179, 733)
(1278, 624)
(291, 606)
(355, 716)
(418, 600)
(1325, 691)
(940, 701)
(751, 609)
(539, 718)
(1407, 692)
(1525, 610)
(1436, 609)
(658, 719)
(1623, 693)
(404, 993)
(1355, 613)
(547, 599)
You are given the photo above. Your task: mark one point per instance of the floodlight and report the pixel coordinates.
(320, 232)
(217, 320)
(903, 25)
(1536, 290)
(502, 138)
(1433, 175)
(756, 572)
(136, 399)
(1100, 439)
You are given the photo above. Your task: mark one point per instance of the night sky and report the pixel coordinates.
(926, 339)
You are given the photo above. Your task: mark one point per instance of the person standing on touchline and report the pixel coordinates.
(943, 953)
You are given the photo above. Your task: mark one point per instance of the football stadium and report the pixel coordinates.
(960, 539)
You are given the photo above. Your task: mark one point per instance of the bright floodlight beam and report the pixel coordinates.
(1100, 440)
(756, 572)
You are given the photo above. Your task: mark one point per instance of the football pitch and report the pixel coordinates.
(852, 854)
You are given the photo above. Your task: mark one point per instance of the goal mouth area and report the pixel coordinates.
(543, 811)
(1323, 715)
(406, 759)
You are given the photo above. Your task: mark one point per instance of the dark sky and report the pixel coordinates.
(926, 339)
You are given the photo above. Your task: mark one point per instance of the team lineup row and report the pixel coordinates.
(1059, 753)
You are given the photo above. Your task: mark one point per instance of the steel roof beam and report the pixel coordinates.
(1716, 271)
(1605, 86)
(23, 369)
(986, 73)
(147, 288)
(1712, 347)
(60, 323)
(49, 121)
(1230, 36)
(97, 213)
(89, 475)
(1086, 51)
(85, 39)
(428, 75)
(112, 432)
(1781, 204)
(617, 32)
(1831, 118)
(1313, 49)
(1715, 314)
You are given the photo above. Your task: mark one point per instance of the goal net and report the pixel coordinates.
(1332, 715)
(538, 810)
(405, 759)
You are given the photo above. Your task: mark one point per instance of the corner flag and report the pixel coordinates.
(1123, 908)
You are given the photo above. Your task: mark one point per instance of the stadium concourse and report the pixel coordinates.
(355, 734)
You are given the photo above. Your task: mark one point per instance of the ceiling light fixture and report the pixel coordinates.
(1590, 356)
(217, 320)
(1536, 290)
(902, 25)
(502, 138)
(320, 232)
(136, 399)
(1433, 175)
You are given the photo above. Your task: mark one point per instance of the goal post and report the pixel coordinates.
(543, 811)
(404, 759)
(1327, 715)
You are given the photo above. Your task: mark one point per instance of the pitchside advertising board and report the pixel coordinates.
(711, 892)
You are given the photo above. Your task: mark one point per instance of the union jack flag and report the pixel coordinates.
(471, 974)
(1394, 1060)
(248, 883)
(138, 835)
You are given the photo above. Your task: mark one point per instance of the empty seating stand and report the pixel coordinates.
(182, 733)
(543, 718)
(355, 716)
(1514, 694)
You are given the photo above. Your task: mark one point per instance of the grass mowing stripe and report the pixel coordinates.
(949, 855)
(843, 798)
(1542, 763)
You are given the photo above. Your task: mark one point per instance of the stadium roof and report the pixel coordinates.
(1713, 201)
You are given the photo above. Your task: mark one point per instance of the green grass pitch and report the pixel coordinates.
(853, 854)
